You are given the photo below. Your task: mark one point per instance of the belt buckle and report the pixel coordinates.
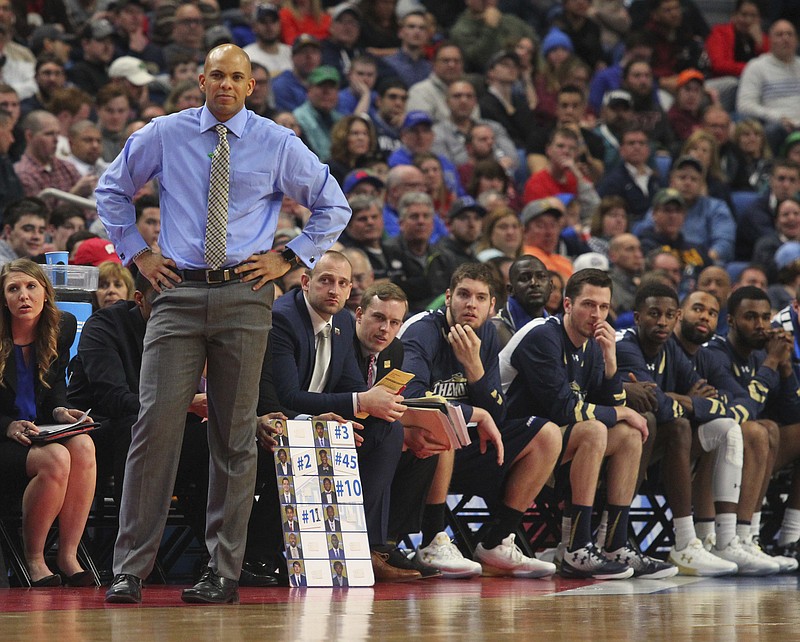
(210, 277)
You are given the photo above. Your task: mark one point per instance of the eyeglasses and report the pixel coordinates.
(189, 21)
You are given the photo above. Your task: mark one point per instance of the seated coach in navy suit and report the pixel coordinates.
(311, 346)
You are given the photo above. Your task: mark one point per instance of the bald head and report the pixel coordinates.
(402, 179)
(227, 80)
(625, 252)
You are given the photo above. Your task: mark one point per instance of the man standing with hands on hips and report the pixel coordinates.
(222, 173)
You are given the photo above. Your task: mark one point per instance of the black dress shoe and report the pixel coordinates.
(212, 589)
(125, 589)
(81, 578)
(257, 574)
(48, 581)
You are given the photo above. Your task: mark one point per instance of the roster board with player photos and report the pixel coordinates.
(322, 504)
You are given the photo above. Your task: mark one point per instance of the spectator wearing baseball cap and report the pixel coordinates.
(90, 72)
(95, 251)
(317, 115)
(290, 87)
(685, 116)
(131, 74)
(51, 38)
(362, 181)
(465, 221)
(501, 103)
(416, 136)
(541, 228)
(268, 49)
(295, 21)
(341, 47)
(709, 223)
(665, 231)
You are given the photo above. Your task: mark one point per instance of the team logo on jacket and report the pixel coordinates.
(577, 391)
(454, 388)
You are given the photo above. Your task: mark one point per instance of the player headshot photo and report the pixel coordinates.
(290, 523)
(284, 466)
(324, 464)
(294, 547)
(335, 550)
(321, 435)
(332, 522)
(297, 578)
(328, 492)
(287, 492)
(339, 578)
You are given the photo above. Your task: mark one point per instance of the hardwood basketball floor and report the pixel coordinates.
(729, 610)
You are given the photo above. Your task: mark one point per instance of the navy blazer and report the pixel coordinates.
(292, 345)
(47, 399)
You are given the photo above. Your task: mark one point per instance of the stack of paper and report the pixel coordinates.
(444, 420)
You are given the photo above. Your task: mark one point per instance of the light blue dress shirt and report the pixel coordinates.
(267, 161)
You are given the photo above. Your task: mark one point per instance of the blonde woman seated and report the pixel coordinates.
(114, 283)
(57, 478)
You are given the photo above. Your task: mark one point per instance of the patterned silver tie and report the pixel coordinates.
(217, 224)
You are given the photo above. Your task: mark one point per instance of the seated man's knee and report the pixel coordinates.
(676, 433)
(773, 432)
(548, 443)
(591, 435)
(756, 439)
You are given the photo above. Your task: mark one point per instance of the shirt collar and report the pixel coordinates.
(235, 124)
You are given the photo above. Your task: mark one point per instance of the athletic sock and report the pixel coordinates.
(433, 522)
(755, 524)
(617, 535)
(602, 530)
(725, 526)
(506, 521)
(581, 527)
(566, 528)
(684, 531)
(790, 528)
(704, 528)
(743, 530)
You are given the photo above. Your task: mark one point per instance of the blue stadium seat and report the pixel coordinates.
(742, 201)
(663, 163)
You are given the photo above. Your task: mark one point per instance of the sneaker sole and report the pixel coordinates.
(758, 572)
(460, 575)
(686, 570)
(456, 574)
(494, 571)
(663, 574)
(567, 573)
